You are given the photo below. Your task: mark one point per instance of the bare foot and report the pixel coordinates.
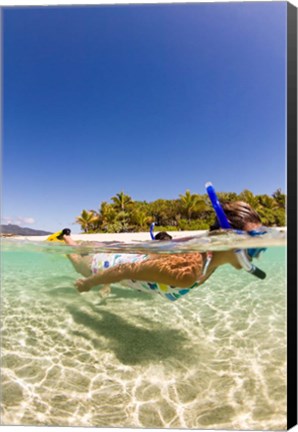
(82, 285)
(105, 291)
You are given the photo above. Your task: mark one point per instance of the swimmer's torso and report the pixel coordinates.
(103, 261)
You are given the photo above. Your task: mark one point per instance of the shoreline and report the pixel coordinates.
(117, 237)
(123, 237)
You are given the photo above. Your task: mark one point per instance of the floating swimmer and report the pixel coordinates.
(58, 236)
(172, 275)
(162, 235)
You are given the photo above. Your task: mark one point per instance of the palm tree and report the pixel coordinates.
(121, 201)
(191, 203)
(267, 201)
(107, 215)
(140, 219)
(280, 198)
(88, 219)
(249, 198)
(225, 197)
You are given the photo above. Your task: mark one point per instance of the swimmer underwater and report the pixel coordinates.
(171, 275)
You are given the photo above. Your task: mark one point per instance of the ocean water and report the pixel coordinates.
(215, 359)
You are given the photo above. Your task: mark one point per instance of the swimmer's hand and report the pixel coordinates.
(82, 285)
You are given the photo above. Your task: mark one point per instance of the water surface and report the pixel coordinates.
(214, 359)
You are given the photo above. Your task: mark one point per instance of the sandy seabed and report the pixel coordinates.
(215, 359)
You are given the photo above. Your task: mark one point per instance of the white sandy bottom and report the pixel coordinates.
(215, 359)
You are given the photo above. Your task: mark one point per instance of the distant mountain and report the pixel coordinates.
(17, 230)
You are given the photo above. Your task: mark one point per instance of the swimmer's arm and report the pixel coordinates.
(181, 274)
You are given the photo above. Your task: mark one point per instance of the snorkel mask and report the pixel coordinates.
(255, 252)
(224, 224)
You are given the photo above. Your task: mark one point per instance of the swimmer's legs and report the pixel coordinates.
(81, 264)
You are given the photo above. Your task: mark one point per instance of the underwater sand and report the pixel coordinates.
(215, 359)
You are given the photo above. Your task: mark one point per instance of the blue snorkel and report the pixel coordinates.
(224, 223)
(220, 214)
(151, 230)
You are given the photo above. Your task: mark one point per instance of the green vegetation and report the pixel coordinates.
(188, 212)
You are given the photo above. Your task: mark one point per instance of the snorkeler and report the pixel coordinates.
(163, 235)
(170, 275)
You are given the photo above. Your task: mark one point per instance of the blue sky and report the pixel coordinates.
(146, 99)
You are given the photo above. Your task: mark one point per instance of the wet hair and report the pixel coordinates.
(163, 236)
(238, 213)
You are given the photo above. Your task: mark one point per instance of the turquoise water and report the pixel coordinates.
(215, 359)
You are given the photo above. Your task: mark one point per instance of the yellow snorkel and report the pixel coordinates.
(58, 236)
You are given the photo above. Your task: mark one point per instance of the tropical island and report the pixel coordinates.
(187, 212)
